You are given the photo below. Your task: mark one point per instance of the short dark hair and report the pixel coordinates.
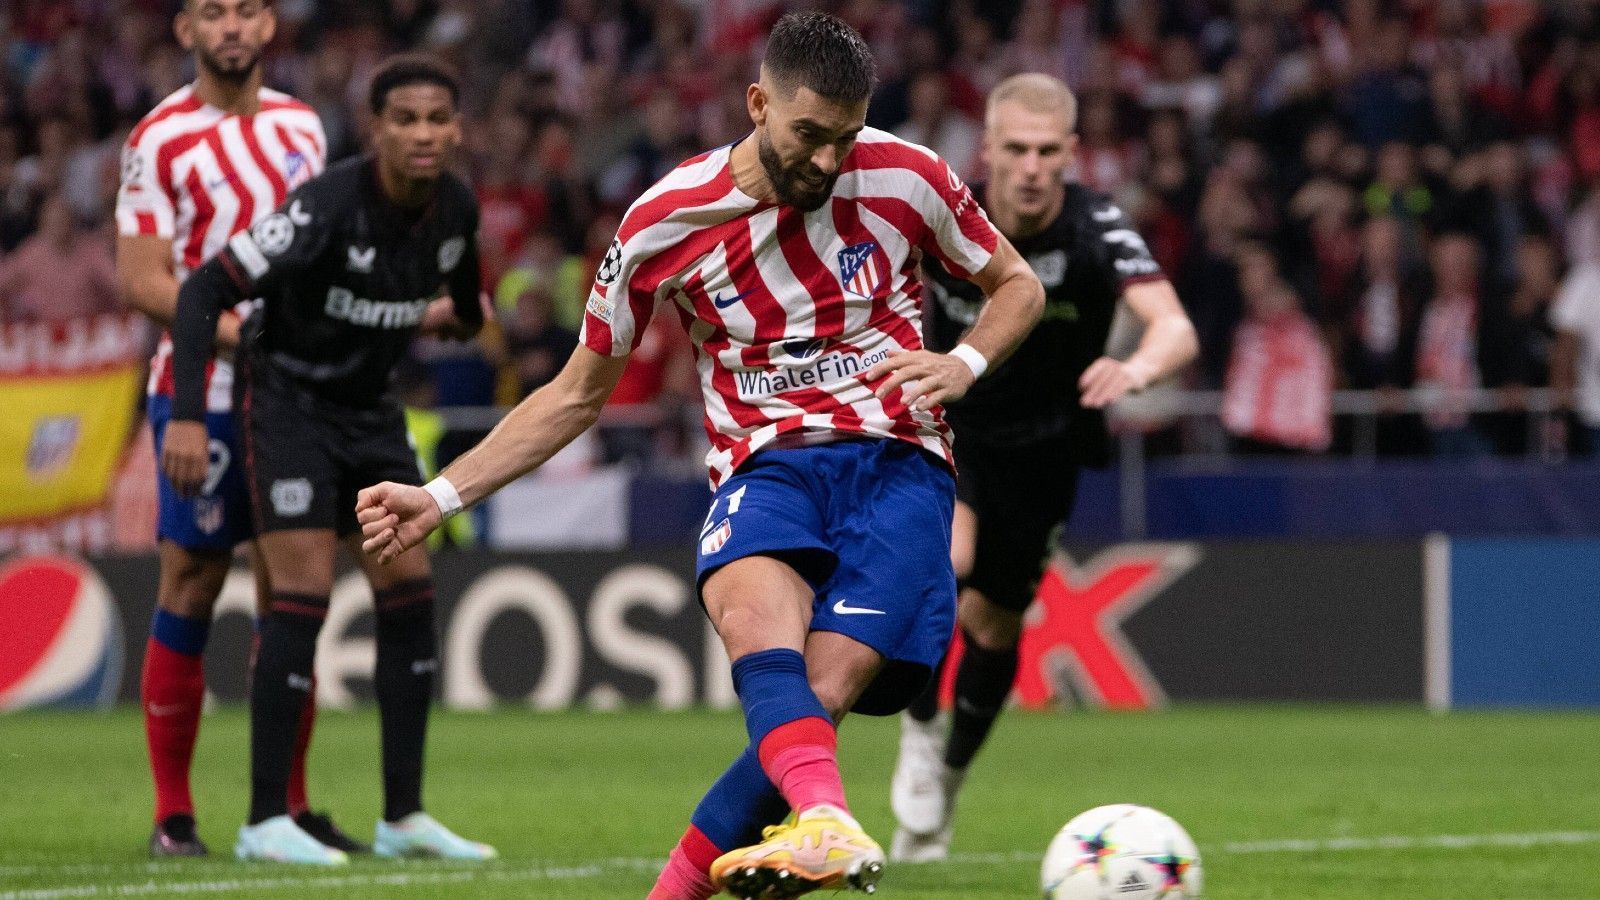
(821, 52)
(407, 69)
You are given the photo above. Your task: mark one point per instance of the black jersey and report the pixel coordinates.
(344, 278)
(1084, 259)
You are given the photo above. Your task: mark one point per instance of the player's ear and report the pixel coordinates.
(269, 25)
(183, 28)
(756, 100)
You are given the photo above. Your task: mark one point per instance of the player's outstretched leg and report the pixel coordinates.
(796, 743)
(407, 661)
(172, 688)
(931, 769)
(279, 688)
(172, 683)
(732, 814)
(921, 793)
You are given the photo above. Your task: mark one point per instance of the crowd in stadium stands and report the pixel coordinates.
(1373, 194)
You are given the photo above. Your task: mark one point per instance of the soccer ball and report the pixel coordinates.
(1121, 852)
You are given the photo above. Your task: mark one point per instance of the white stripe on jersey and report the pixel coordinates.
(174, 151)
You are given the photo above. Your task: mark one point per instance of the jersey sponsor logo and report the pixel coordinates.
(274, 234)
(716, 538)
(860, 269)
(828, 369)
(844, 609)
(298, 214)
(1108, 213)
(611, 266)
(803, 348)
(296, 171)
(450, 253)
(361, 259)
(1050, 267)
(344, 304)
(291, 497)
(720, 303)
(1137, 266)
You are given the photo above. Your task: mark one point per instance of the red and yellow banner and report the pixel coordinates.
(68, 392)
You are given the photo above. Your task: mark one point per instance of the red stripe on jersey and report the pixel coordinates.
(170, 151)
(811, 271)
(204, 210)
(652, 211)
(309, 139)
(192, 104)
(891, 154)
(280, 189)
(268, 103)
(147, 222)
(247, 201)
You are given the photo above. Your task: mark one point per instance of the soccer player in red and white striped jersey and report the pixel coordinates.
(206, 163)
(791, 258)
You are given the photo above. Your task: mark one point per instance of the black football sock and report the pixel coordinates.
(279, 689)
(926, 704)
(983, 681)
(407, 661)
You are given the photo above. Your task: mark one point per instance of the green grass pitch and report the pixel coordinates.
(1298, 803)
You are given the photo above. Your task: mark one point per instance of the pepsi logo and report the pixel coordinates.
(60, 635)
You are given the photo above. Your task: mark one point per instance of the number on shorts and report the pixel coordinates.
(734, 499)
(216, 465)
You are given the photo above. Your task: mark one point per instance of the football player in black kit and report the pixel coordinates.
(347, 271)
(1022, 432)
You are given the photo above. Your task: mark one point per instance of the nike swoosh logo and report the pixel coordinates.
(845, 610)
(720, 303)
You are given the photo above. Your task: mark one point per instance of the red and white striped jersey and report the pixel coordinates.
(788, 308)
(196, 175)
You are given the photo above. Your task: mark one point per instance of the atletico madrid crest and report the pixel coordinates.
(861, 269)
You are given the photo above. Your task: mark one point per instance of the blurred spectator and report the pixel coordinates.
(1447, 363)
(60, 273)
(537, 346)
(658, 381)
(1279, 390)
(1376, 327)
(1575, 358)
(938, 126)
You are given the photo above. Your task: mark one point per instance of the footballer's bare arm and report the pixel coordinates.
(396, 517)
(1169, 344)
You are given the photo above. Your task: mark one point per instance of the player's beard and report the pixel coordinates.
(792, 190)
(235, 73)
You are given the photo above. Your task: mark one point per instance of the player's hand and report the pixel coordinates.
(927, 377)
(394, 518)
(1107, 380)
(185, 456)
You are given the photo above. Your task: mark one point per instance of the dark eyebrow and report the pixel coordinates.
(818, 126)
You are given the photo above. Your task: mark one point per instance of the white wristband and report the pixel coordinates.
(444, 493)
(974, 360)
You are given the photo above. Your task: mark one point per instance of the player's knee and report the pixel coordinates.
(994, 627)
(835, 697)
(190, 582)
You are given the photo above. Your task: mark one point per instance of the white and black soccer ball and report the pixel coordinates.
(1121, 852)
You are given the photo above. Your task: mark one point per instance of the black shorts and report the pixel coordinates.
(306, 458)
(1021, 496)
